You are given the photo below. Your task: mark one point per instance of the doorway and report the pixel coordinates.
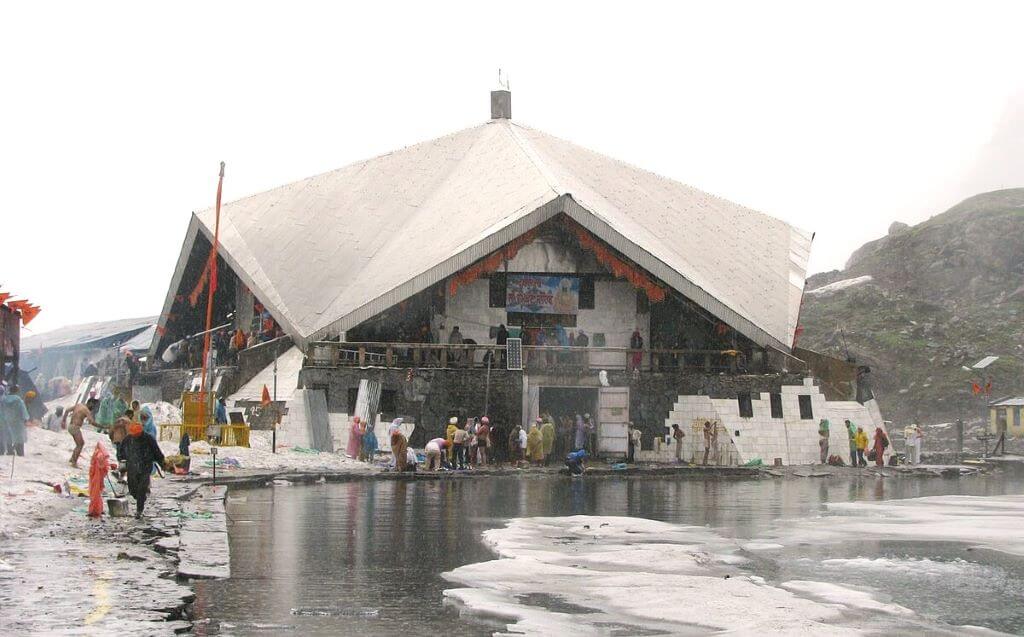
(568, 401)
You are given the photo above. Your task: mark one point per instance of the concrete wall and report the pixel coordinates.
(790, 438)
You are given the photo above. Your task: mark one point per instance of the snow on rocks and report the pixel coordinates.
(840, 285)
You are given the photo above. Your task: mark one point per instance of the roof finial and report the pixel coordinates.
(501, 99)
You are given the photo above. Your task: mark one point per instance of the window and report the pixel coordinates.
(746, 405)
(776, 405)
(806, 413)
(643, 304)
(497, 292)
(353, 396)
(387, 403)
(586, 293)
(1017, 416)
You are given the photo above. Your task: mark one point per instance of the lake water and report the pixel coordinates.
(366, 557)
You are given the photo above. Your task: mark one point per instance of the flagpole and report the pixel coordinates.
(212, 266)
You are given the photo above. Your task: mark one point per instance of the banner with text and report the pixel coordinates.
(542, 294)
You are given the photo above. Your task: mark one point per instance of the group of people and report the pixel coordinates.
(859, 443)
(475, 442)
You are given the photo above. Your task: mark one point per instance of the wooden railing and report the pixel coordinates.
(535, 358)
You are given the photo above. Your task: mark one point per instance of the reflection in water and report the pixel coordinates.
(381, 545)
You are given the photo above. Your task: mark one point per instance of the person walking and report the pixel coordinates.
(139, 451)
(881, 443)
(861, 440)
(79, 414)
(678, 435)
(547, 433)
(13, 416)
(823, 433)
(851, 433)
(148, 424)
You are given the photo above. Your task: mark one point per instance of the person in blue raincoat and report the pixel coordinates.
(369, 442)
(13, 416)
(148, 424)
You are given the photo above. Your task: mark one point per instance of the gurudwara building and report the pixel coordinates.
(502, 271)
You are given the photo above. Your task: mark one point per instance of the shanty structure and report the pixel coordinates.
(628, 289)
(75, 351)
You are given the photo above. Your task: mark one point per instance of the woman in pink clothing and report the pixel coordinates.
(354, 438)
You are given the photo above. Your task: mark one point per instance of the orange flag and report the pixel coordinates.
(265, 400)
(28, 313)
(4, 296)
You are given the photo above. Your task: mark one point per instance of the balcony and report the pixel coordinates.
(332, 354)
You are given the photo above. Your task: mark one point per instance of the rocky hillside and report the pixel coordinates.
(923, 301)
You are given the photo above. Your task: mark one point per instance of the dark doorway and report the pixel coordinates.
(568, 401)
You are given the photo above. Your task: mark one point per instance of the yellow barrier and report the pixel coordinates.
(230, 435)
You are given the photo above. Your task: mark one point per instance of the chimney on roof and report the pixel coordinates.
(501, 104)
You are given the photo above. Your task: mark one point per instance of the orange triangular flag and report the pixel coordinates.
(28, 313)
(265, 400)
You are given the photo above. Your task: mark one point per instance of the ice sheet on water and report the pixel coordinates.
(990, 521)
(845, 596)
(644, 574)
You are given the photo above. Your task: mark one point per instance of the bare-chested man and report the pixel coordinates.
(79, 414)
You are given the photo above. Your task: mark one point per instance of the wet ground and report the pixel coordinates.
(366, 557)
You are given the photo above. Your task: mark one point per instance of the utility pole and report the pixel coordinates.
(277, 411)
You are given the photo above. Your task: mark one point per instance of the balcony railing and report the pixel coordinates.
(535, 358)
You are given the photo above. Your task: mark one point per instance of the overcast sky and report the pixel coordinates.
(836, 117)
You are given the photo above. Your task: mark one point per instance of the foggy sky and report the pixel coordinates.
(839, 119)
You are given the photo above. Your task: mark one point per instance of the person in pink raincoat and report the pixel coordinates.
(354, 438)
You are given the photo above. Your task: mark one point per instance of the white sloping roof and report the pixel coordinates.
(83, 334)
(328, 252)
(289, 364)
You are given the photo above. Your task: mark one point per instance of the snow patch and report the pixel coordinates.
(840, 285)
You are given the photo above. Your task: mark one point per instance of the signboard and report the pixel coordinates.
(542, 294)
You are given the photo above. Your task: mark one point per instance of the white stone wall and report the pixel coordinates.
(790, 438)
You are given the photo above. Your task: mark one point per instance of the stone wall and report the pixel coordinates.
(430, 395)
(255, 359)
(791, 438)
(653, 395)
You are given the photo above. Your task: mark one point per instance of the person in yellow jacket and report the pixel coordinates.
(861, 440)
(453, 426)
(535, 445)
(547, 432)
